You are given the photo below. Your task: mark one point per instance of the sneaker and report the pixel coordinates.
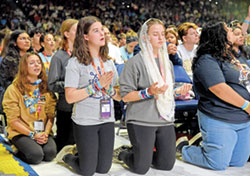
(68, 149)
(180, 143)
(196, 140)
(116, 153)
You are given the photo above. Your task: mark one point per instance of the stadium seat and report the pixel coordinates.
(185, 110)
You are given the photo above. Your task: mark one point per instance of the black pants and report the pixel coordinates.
(144, 139)
(95, 145)
(64, 132)
(33, 153)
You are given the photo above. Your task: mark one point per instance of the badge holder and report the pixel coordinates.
(38, 126)
(105, 108)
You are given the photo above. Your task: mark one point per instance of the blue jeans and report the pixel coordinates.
(224, 144)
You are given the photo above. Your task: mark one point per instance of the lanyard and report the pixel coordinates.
(45, 56)
(69, 52)
(102, 70)
(37, 105)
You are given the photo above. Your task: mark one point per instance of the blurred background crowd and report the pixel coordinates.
(118, 15)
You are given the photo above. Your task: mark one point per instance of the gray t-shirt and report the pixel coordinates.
(134, 77)
(87, 111)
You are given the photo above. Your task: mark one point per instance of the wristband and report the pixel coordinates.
(143, 94)
(32, 134)
(90, 90)
(245, 105)
(176, 94)
(245, 21)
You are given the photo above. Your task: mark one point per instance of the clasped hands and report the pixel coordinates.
(41, 138)
(154, 90)
(106, 79)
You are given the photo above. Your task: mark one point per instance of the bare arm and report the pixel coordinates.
(227, 94)
(49, 125)
(74, 95)
(20, 127)
(245, 25)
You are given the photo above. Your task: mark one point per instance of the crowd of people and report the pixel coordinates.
(76, 70)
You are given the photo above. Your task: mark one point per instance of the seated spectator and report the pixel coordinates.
(122, 39)
(187, 50)
(114, 51)
(127, 51)
(173, 56)
(30, 111)
(172, 37)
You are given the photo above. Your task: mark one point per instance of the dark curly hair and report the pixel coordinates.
(241, 48)
(213, 41)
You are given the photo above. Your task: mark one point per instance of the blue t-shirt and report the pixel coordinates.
(125, 55)
(209, 72)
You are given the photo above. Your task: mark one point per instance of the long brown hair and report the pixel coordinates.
(21, 81)
(66, 26)
(80, 47)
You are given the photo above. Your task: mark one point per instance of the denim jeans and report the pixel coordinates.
(224, 144)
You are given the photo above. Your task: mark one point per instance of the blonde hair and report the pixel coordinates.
(174, 33)
(153, 21)
(184, 27)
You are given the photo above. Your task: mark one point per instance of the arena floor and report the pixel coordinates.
(180, 169)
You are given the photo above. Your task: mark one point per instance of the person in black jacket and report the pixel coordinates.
(56, 84)
(19, 44)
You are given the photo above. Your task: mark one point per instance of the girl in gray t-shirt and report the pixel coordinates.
(89, 84)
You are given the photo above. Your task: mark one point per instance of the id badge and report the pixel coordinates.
(38, 125)
(105, 108)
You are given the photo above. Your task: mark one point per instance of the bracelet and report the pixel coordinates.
(245, 21)
(32, 134)
(176, 94)
(245, 105)
(90, 90)
(143, 94)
